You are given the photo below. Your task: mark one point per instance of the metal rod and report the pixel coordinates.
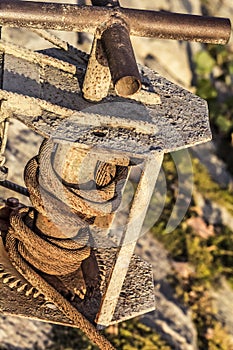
(121, 59)
(163, 25)
(14, 187)
(116, 43)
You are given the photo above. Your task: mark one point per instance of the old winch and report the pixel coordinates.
(69, 258)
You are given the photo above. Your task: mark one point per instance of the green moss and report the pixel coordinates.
(133, 335)
(130, 335)
(211, 258)
(198, 298)
(210, 189)
(212, 86)
(204, 63)
(220, 339)
(65, 338)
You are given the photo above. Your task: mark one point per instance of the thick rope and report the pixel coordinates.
(103, 199)
(43, 254)
(58, 248)
(56, 298)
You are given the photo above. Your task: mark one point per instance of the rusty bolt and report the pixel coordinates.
(12, 202)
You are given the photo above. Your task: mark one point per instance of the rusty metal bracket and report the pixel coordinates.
(116, 44)
(111, 52)
(111, 48)
(112, 26)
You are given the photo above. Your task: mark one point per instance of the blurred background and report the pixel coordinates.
(193, 265)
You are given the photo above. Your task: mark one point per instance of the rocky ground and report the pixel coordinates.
(174, 60)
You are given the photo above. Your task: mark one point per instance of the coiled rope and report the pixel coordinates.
(34, 241)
